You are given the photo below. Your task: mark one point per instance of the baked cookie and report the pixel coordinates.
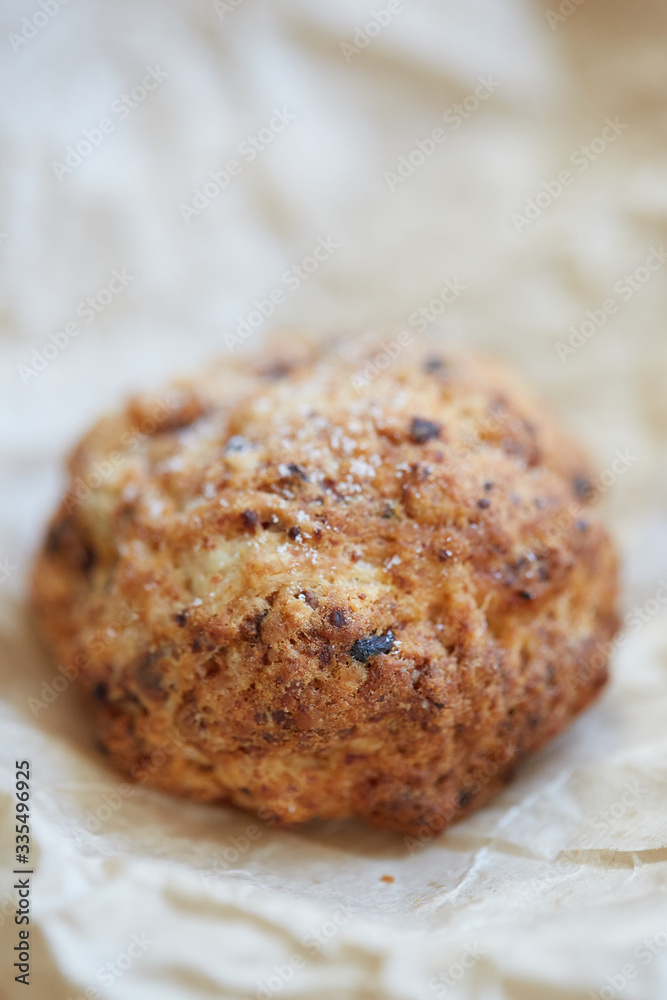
(329, 583)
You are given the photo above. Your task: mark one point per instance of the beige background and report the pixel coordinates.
(558, 883)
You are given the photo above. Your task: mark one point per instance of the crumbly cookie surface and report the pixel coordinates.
(314, 594)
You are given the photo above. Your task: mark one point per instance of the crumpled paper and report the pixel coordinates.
(544, 206)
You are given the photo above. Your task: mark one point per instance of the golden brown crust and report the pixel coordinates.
(311, 596)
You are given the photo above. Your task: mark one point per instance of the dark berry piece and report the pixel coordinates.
(250, 519)
(424, 430)
(298, 471)
(372, 645)
(582, 486)
(100, 692)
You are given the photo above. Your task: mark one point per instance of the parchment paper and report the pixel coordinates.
(556, 890)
